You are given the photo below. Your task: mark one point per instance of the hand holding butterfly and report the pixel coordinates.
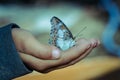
(45, 58)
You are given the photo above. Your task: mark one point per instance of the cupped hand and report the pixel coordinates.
(45, 58)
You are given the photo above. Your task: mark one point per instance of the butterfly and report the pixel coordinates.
(60, 35)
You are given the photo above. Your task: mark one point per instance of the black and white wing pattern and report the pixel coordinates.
(60, 35)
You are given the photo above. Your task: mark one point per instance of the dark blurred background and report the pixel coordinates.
(48, 2)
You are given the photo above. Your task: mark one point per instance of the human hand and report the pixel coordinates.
(45, 58)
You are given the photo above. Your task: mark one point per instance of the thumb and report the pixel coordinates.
(42, 51)
(26, 43)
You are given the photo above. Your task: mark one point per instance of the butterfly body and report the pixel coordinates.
(60, 35)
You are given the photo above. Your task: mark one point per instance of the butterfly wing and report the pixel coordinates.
(60, 35)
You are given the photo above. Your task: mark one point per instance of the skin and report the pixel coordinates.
(40, 57)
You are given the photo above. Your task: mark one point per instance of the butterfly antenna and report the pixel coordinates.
(78, 34)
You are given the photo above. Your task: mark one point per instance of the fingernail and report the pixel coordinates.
(95, 45)
(55, 54)
(89, 46)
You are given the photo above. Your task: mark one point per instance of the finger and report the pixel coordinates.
(70, 63)
(95, 43)
(42, 51)
(78, 59)
(71, 55)
(25, 42)
(81, 57)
